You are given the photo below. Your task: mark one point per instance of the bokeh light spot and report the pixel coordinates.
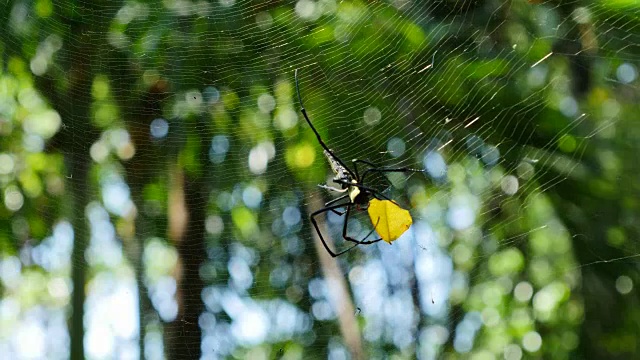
(372, 116)
(159, 128)
(624, 284)
(523, 291)
(509, 184)
(532, 341)
(626, 73)
(396, 147)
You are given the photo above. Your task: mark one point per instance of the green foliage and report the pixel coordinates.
(534, 219)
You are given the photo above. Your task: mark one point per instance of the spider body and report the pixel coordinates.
(355, 192)
(347, 183)
(359, 198)
(341, 173)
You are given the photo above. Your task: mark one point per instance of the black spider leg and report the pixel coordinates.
(355, 165)
(387, 170)
(384, 170)
(376, 193)
(344, 229)
(315, 225)
(306, 117)
(371, 232)
(358, 242)
(374, 166)
(345, 196)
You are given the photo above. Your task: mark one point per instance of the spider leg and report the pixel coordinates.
(355, 167)
(313, 128)
(315, 225)
(331, 188)
(366, 162)
(374, 168)
(349, 238)
(334, 201)
(371, 190)
(377, 194)
(387, 170)
(355, 161)
(369, 234)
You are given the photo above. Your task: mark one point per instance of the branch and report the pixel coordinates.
(339, 294)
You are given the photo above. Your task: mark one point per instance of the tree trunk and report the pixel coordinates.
(184, 335)
(140, 171)
(78, 135)
(78, 170)
(339, 294)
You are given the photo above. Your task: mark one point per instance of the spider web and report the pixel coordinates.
(500, 102)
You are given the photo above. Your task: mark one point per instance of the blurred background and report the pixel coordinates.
(156, 179)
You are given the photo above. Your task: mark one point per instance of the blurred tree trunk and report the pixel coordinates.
(140, 171)
(74, 141)
(609, 328)
(78, 167)
(339, 294)
(184, 335)
(84, 34)
(79, 135)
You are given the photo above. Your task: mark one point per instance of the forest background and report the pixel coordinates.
(156, 177)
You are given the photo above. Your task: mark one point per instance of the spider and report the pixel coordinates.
(352, 184)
